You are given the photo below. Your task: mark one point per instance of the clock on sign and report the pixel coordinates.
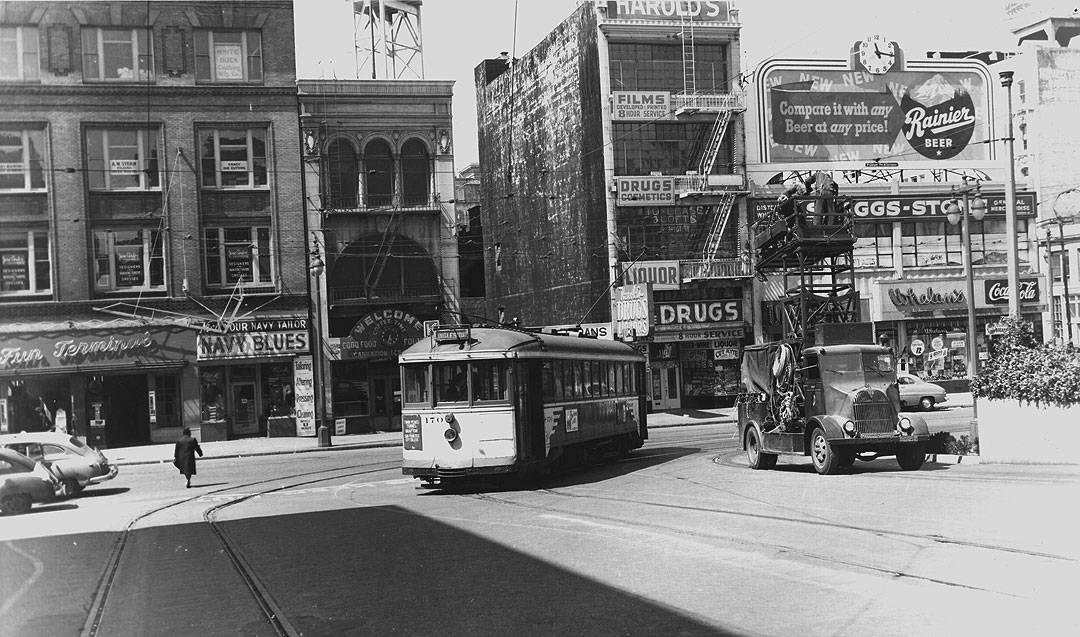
(876, 53)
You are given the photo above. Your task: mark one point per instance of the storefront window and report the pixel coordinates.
(212, 393)
(351, 393)
(278, 399)
(166, 400)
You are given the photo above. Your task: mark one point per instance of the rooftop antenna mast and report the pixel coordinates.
(388, 39)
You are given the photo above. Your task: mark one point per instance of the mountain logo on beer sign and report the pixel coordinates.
(939, 119)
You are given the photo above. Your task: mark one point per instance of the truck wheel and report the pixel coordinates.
(16, 503)
(927, 403)
(756, 457)
(911, 457)
(826, 460)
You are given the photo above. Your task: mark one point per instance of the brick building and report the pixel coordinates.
(379, 178)
(611, 153)
(149, 193)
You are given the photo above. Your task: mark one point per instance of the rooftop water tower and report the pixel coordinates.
(388, 39)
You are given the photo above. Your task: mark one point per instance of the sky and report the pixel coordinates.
(459, 34)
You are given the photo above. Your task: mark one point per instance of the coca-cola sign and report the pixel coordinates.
(997, 291)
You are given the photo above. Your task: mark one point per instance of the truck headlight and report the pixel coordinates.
(849, 427)
(905, 425)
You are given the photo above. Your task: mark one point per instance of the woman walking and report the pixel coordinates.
(184, 455)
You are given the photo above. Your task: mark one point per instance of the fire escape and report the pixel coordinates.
(697, 185)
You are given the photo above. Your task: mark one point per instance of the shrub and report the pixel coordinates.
(1021, 369)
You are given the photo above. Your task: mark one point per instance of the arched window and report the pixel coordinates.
(415, 173)
(342, 176)
(385, 267)
(379, 167)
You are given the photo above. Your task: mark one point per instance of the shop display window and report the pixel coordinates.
(212, 393)
(278, 398)
(351, 393)
(167, 400)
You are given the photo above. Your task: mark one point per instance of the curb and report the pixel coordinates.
(250, 454)
(721, 420)
(945, 458)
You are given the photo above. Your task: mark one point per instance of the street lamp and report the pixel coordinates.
(959, 211)
(317, 266)
(1010, 205)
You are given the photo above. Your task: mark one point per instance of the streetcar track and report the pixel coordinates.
(900, 574)
(259, 592)
(781, 548)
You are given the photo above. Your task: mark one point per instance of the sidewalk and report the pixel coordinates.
(247, 447)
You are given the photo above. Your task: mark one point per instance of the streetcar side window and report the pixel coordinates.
(489, 381)
(579, 380)
(451, 382)
(611, 378)
(620, 378)
(559, 374)
(547, 380)
(416, 385)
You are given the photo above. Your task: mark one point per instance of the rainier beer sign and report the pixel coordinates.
(997, 291)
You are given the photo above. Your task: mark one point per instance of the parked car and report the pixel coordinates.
(916, 392)
(75, 464)
(24, 482)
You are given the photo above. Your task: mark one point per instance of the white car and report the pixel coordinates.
(916, 392)
(71, 461)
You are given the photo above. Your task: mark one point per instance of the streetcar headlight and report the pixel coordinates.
(849, 427)
(450, 434)
(448, 418)
(905, 425)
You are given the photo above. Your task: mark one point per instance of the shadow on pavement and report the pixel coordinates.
(96, 492)
(381, 571)
(585, 474)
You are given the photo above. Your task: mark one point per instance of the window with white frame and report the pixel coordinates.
(234, 158)
(21, 165)
(24, 263)
(19, 53)
(122, 159)
(239, 255)
(129, 260)
(117, 55)
(228, 56)
(873, 245)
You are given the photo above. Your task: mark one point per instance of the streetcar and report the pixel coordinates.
(499, 401)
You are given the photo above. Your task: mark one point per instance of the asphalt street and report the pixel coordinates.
(681, 538)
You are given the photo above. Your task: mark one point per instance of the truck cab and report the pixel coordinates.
(835, 403)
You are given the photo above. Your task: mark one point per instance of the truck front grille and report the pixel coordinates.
(874, 414)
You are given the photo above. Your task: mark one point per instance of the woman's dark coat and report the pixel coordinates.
(184, 455)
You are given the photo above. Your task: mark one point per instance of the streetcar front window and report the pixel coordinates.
(451, 382)
(416, 385)
(489, 381)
